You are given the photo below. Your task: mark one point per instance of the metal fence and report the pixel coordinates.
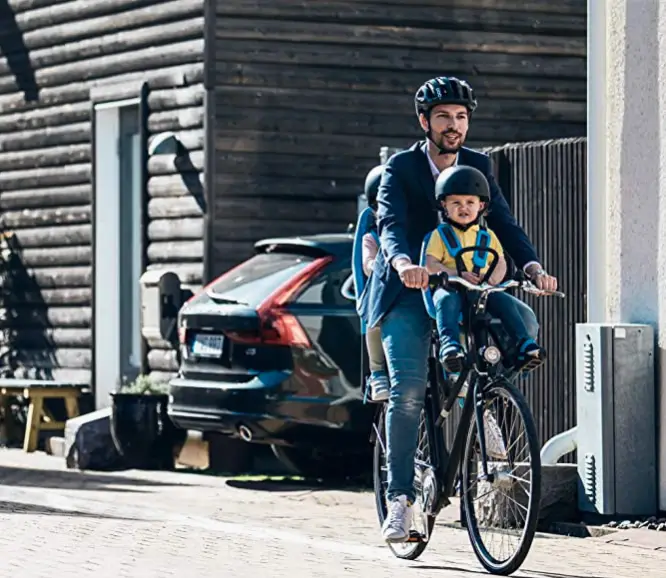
(545, 184)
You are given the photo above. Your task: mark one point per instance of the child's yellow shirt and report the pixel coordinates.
(437, 248)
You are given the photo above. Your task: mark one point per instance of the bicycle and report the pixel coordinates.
(501, 464)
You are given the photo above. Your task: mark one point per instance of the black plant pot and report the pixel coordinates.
(142, 432)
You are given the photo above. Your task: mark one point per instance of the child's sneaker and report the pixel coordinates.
(379, 386)
(530, 356)
(453, 359)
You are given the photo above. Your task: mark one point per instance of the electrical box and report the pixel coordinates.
(161, 299)
(616, 413)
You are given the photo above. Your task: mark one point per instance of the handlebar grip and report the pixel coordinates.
(440, 279)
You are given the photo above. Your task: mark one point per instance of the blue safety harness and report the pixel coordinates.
(452, 244)
(365, 224)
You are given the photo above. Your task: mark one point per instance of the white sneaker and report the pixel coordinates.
(398, 520)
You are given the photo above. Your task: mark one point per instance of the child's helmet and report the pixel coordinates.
(372, 185)
(462, 180)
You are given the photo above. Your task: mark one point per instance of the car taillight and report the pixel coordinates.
(278, 326)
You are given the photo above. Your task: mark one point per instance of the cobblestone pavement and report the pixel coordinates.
(143, 524)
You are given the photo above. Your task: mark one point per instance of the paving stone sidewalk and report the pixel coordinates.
(143, 524)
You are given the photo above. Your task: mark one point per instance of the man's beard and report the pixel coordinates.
(446, 149)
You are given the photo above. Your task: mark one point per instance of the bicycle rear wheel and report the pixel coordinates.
(506, 504)
(424, 485)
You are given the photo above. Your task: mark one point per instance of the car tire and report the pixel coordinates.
(310, 463)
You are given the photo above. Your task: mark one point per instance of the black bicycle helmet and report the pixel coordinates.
(462, 180)
(372, 185)
(444, 90)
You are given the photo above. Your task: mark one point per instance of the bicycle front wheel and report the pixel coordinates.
(502, 509)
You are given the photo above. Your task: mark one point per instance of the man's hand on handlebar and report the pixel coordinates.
(412, 276)
(541, 279)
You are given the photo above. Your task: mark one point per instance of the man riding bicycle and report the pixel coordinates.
(407, 211)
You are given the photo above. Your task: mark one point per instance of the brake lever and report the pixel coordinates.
(532, 288)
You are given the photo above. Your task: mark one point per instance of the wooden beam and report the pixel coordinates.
(60, 277)
(170, 98)
(173, 185)
(179, 251)
(32, 424)
(49, 138)
(65, 235)
(53, 176)
(64, 296)
(59, 28)
(79, 91)
(178, 119)
(392, 58)
(45, 217)
(152, 57)
(174, 207)
(368, 36)
(257, 76)
(57, 256)
(45, 198)
(436, 13)
(175, 229)
(168, 164)
(62, 56)
(46, 157)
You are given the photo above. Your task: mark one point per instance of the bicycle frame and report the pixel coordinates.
(447, 462)
(476, 322)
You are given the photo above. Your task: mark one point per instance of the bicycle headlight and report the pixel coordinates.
(492, 355)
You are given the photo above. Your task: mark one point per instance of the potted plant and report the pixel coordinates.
(141, 430)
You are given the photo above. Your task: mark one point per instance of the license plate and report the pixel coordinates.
(205, 345)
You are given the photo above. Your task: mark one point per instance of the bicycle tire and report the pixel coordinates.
(407, 550)
(490, 563)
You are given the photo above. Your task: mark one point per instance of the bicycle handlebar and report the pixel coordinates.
(443, 279)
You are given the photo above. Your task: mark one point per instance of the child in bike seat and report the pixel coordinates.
(379, 381)
(463, 195)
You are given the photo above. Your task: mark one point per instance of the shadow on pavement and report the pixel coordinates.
(75, 480)
(17, 508)
(295, 484)
(523, 573)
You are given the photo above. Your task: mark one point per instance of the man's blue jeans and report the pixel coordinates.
(406, 338)
(517, 317)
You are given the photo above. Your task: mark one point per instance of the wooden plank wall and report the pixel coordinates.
(52, 53)
(308, 91)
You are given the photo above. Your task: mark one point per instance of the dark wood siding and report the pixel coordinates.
(53, 54)
(306, 93)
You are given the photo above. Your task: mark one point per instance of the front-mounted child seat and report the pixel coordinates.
(452, 244)
(364, 225)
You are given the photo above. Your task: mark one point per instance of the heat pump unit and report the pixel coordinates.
(616, 406)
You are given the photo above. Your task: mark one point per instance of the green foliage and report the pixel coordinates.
(145, 385)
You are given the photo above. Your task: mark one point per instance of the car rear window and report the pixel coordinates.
(253, 280)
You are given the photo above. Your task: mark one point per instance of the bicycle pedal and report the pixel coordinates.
(531, 365)
(415, 536)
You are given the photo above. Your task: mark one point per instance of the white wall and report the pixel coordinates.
(627, 144)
